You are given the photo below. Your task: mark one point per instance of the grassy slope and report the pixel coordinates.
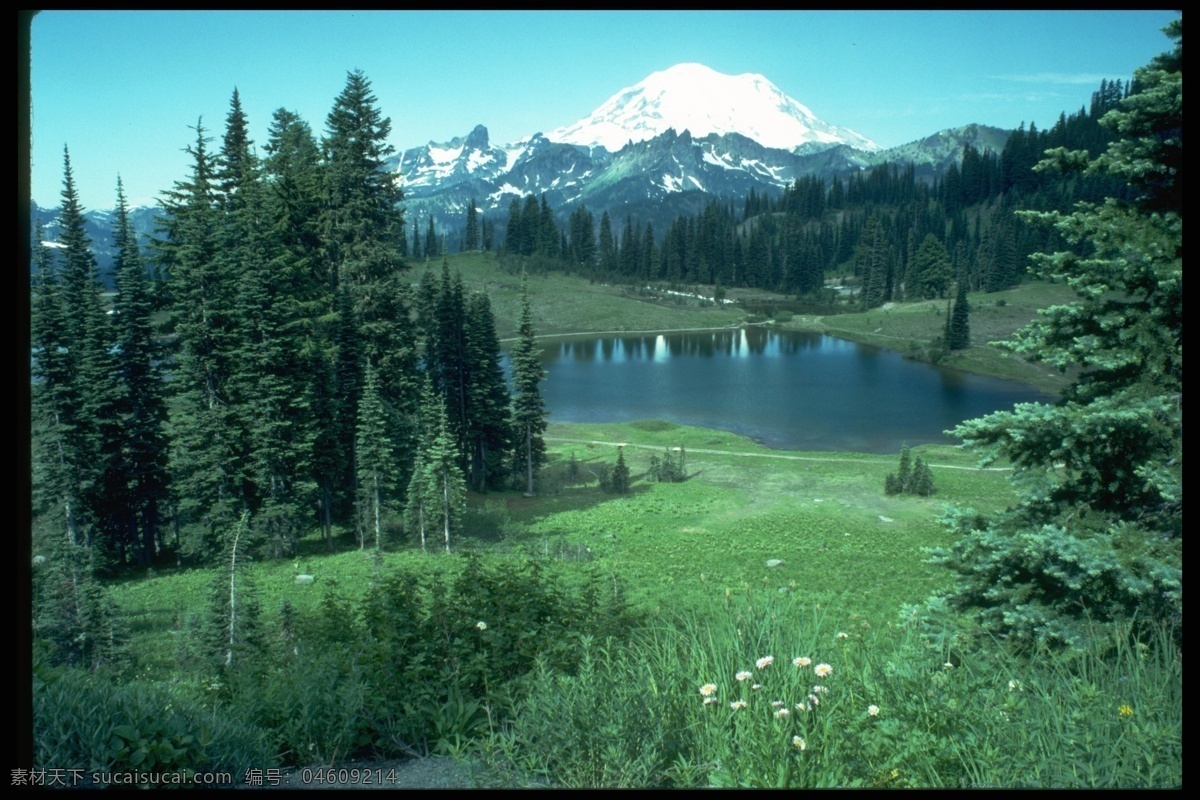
(822, 514)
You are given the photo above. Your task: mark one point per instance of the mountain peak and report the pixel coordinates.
(699, 99)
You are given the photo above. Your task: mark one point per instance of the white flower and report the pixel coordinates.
(801, 662)
(823, 670)
(709, 700)
(842, 635)
(708, 690)
(801, 707)
(756, 686)
(736, 704)
(777, 704)
(796, 740)
(948, 665)
(820, 689)
(481, 625)
(743, 675)
(873, 711)
(765, 662)
(1014, 686)
(781, 713)
(816, 701)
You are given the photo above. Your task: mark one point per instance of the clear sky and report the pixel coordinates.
(121, 88)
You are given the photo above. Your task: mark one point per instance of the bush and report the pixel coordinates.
(83, 722)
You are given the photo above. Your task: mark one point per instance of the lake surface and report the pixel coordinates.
(789, 390)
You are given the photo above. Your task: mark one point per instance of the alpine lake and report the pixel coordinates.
(789, 390)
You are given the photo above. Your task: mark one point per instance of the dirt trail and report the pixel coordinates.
(762, 455)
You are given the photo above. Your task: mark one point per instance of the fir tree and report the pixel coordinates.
(471, 234)
(958, 331)
(488, 427)
(620, 474)
(144, 409)
(529, 412)
(437, 490)
(1097, 531)
(373, 452)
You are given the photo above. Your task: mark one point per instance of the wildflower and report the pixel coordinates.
(708, 690)
(781, 713)
(801, 662)
(736, 704)
(756, 686)
(481, 625)
(801, 707)
(709, 700)
(820, 689)
(765, 662)
(777, 704)
(873, 711)
(743, 675)
(842, 635)
(823, 670)
(948, 665)
(816, 701)
(796, 740)
(1014, 686)
(1125, 710)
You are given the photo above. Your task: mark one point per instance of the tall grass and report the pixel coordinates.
(730, 698)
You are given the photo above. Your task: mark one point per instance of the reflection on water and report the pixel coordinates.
(790, 390)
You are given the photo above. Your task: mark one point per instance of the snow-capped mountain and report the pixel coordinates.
(700, 100)
(684, 131)
(666, 146)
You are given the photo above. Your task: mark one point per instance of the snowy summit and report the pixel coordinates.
(698, 99)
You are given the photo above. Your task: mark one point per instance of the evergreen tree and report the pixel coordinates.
(620, 474)
(362, 230)
(373, 452)
(529, 412)
(431, 243)
(205, 469)
(471, 235)
(958, 331)
(144, 409)
(1097, 531)
(488, 427)
(437, 489)
(98, 468)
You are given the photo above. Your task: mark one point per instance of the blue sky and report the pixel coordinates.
(121, 88)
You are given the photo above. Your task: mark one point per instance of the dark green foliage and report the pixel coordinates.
(913, 476)
(668, 469)
(958, 329)
(529, 412)
(75, 623)
(1097, 532)
(143, 406)
(434, 643)
(377, 475)
(437, 490)
(90, 723)
(619, 479)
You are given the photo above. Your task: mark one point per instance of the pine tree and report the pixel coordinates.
(144, 409)
(529, 412)
(471, 235)
(488, 427)
(1097, 531)
(376, 471)
(437, 489)
(97, 467)
(958, 332)
(206, 473)
(620, 474)
(362, 227)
